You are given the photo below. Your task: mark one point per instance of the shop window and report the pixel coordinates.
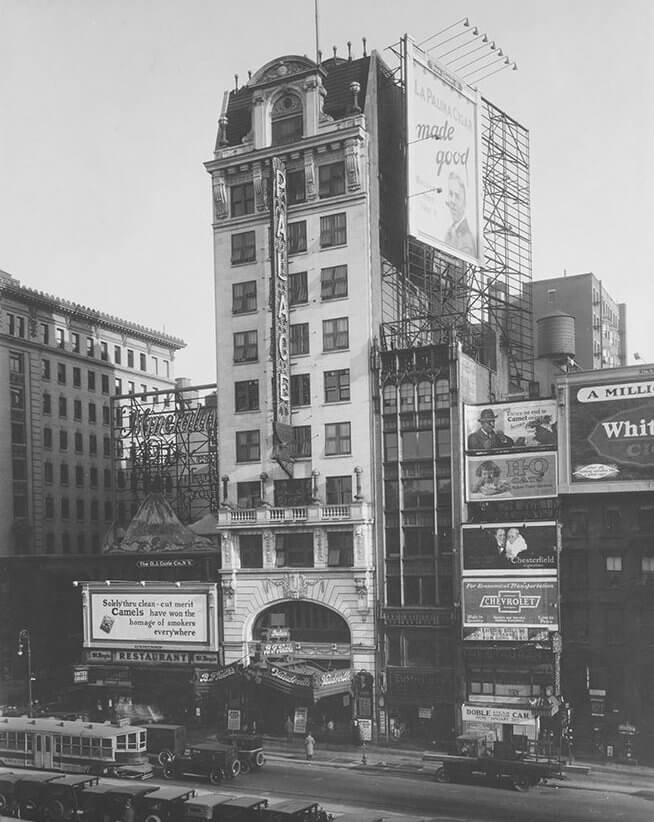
(292, 492)
(338, 490)
(297, 237)
(340, 549)
(335, 334)
(251, 550)
(246, 395)
(245, 346)
(299, 339)
(331, 180)
(298, 289)
(337, 438)
(295, 187)
(247, 446)
(243, 247)
(248, 494)
(244, 297)
(300, 390)
(337, 385)
(294, 550)
(241, 199)
(333, 230)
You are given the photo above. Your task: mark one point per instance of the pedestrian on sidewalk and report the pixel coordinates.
(309, 745)
(288, 727)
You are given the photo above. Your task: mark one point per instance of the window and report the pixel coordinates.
(106, 415)
(241, 199)
(45, 334)
(143, 362)
(612, 520)
(333, 282)
(646, 518)
(48, 473)
(245, 346)
(90, 347)
(287, 122)
(131, 386)
(75, 342)
(339, 490)
(79, 475)
(77, 377)
(118, 351)
(300, 390)
(63, 474)
(333, 230)
(60, 336)
(104, 351)
(247, 446)
(61, 373)
(647, 566)
(107, 477)
(92, 412)
(614, 625)
(243, 247)
(106, 446)
(294, 550)
(65, 508)
(248, 494)
(295, 187)
(93, 477)
(93, 444)
(118, 385)
(298, 290)
(130, 358)
(47, 437)
(337, 438)
(47, 403)
(79, 442)
(551, 296)
(331, 179)
(108, 510)
(104, 383)
(79, 509)
(302, 436)
(614, 564)
(77, 410)
(246, 395)
(244, 297)
(292, 492)
(63, 407)
(45, 369)
(299, 338)
(335, 334)
(340, 549)
(94, 509)
(251, 550)
(49, 507)
(297, 237)
(337, 385)
(90, 380)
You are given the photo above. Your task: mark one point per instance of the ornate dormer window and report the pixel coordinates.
(287, 119)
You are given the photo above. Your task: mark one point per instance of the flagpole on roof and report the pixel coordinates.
(315, 14)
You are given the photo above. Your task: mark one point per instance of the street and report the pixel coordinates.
(417, 795)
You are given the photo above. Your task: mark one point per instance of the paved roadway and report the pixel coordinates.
(417, 797)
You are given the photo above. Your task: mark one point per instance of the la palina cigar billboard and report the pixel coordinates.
(610, 432)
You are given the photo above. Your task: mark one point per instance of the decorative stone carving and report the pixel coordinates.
(228, 585)
(310, 175)
(220, 197)
(363, 587)
(320, 547)
(268, 549)
(226, 550)
(359, 546)
(295, 586)
(352, 164)
(259, 187)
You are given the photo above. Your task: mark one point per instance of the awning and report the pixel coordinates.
(306, 681)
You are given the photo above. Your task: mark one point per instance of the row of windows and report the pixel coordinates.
(610, 519)
(62, 405)
(336, 389)
(16, 326)
(335, 337)
(331, 183)
(333, 232)
(333, 286)
(91, 381)
(80, 509)
(81, 542)
(289, 492)
(296, 550)
(337, 442)
(78, 442)
(79, 473)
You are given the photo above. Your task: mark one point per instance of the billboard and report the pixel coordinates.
(510, 548)
(526, 602)
(443, 158)
(511, 476)
(157, 615)
(530, 424)
(611, 432)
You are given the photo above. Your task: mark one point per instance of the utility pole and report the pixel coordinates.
(25, 647)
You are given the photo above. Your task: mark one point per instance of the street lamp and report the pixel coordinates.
(25, 647)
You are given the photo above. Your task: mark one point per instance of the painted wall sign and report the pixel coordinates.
(531, 425)
(511, 476)
(611, 432)
(496, 714)
(530, 603)
(510, 548)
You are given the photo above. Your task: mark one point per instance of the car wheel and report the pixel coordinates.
(245, 766)
(55, 810)
(442, 775)
(215, 776)
(3, 802)
(235, 768)
(168, 772)
(259, 759)
(521, 782)
(165, 756)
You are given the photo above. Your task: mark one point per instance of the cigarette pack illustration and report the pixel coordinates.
(107, 624)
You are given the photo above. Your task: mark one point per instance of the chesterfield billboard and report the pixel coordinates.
(610, 432)
(510, 548)
(528, 603)
(155, 616)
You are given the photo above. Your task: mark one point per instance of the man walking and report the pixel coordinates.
(309, 745)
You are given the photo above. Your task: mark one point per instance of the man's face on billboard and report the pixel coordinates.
(456, 198)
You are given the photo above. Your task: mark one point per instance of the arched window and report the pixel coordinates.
(287, 120)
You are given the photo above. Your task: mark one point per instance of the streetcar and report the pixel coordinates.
(76, 746)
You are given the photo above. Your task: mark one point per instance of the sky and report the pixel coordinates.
(109, 108)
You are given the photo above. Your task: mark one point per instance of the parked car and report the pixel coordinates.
(250, 750)
(213, 760)
(55, 799)
(166, 804)
(112, 801)
(296, 809)
(219, 808)
(8, 793)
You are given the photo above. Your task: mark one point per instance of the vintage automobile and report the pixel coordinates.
(55, 798)
(166, 741)
(166, 804)
(236, 809)
(250, 750)
(8, 791)
(295, 809)
(113, 801)
(212, 760)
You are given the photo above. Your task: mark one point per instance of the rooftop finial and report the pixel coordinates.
(236, 82)
(334, 50)
(249, 75)
(365, 51)
(319, 56)
(349, 49)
